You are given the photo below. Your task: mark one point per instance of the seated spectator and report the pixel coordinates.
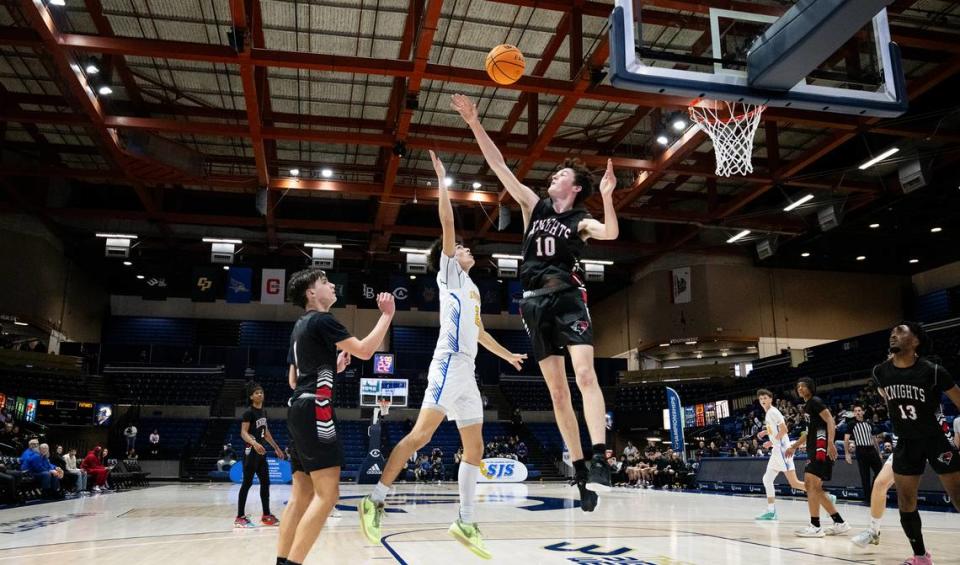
(630, 450)
(56, 458)
(71, 469)
(227, 458)
(437, 469)
(522, 452)
(155, 444)
(95, 469)
(9, 486)
(132, 455)
(618, 474)
(424, 469)
(33, 463)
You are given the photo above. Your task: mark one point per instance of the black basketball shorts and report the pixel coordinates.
(556, 320)
(822, 469)
(910, 456)
(315, 443)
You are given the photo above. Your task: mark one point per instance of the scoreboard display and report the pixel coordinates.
(65, 412)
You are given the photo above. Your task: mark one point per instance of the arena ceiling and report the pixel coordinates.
(214, 99)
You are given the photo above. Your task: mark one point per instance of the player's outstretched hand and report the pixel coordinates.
(517, 359)
(832, 452)
(343, 359)
(767, 444)
(789, 452)
(386, 304)
(465, 107)
(438, 167)
(609, 180)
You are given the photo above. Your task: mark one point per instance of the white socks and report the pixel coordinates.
(467, 481)
(875, 525)
(379, 494)
(771, 508)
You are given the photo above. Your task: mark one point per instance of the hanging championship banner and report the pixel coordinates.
(239, 285)
(273, 285)
(680, 286)
(205, 284)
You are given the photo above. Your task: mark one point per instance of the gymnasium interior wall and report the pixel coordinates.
(735, 299)
(48, 289)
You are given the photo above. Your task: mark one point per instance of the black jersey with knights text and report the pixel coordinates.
(552, 246)
(913, 397)
(257, 418)
(313, 351)
(816, 429)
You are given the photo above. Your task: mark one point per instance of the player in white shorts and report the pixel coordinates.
(779, 442)
(452, 390)
(878, 504)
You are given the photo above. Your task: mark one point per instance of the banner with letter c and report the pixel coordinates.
(273, 286)
(676, 422)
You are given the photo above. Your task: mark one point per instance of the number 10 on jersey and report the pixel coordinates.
(546, 246)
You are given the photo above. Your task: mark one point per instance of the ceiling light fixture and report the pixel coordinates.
(679, 124)
(798, 203)
(105, 90)
(506, 256)
(414, 250)
(19, 323)
(294, 172)
(805, 254)
(663, 140)
(936, 230)
(879, 158)
(117, 235)
(477, 185)
(664, 345)
(448, 182)
(326, 173)
(140, 277)
(861, 257)
(739, 236)
(127, 263)
(914, 261)
(874, 226)
(596, 262)
(92, 69)
(324, 245)
(222, 240)
(226, 267)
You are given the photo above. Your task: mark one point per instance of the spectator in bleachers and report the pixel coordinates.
(4, 416)
(423, 468)
(80, 476)
(630, 450)
(9, 486)
(94, 468)
(33, 463)
(457, 459)
(522, 452)
(618, 474)
(130, 433)
(437, 469)
(227, 458)
(155, 443)
(56, 458)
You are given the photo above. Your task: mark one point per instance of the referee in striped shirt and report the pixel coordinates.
(865, 445)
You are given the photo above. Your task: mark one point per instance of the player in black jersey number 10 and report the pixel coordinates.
(554, 306)
(913, 386)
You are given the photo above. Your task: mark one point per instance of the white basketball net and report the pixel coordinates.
(731, 126)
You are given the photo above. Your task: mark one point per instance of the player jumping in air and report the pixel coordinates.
(452, 389)
(554, 306)
(912, 386)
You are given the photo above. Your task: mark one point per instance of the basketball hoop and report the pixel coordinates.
(731, 127)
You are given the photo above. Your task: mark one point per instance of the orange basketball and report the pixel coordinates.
(505, 64)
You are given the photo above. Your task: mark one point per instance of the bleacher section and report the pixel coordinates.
(43, 384)
(532, 393)
(548, 435)
(174, 434)
(166, 386)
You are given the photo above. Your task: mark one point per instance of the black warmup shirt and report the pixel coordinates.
(313, 351)
(552, 246)
(257, 418)
(816, 429)
(913, 397)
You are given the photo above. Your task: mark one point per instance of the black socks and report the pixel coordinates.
(815, 521)
(836, 518)
(912, 527)
(580, 468)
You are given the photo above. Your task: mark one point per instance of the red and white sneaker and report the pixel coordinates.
(269, 520)
(243, 522)
(919, 560)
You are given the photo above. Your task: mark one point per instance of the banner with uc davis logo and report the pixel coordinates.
(278, 470)
(502, 470)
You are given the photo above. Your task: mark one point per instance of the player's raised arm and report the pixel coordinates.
(444, 208)
(524, 196)
(610, 228)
